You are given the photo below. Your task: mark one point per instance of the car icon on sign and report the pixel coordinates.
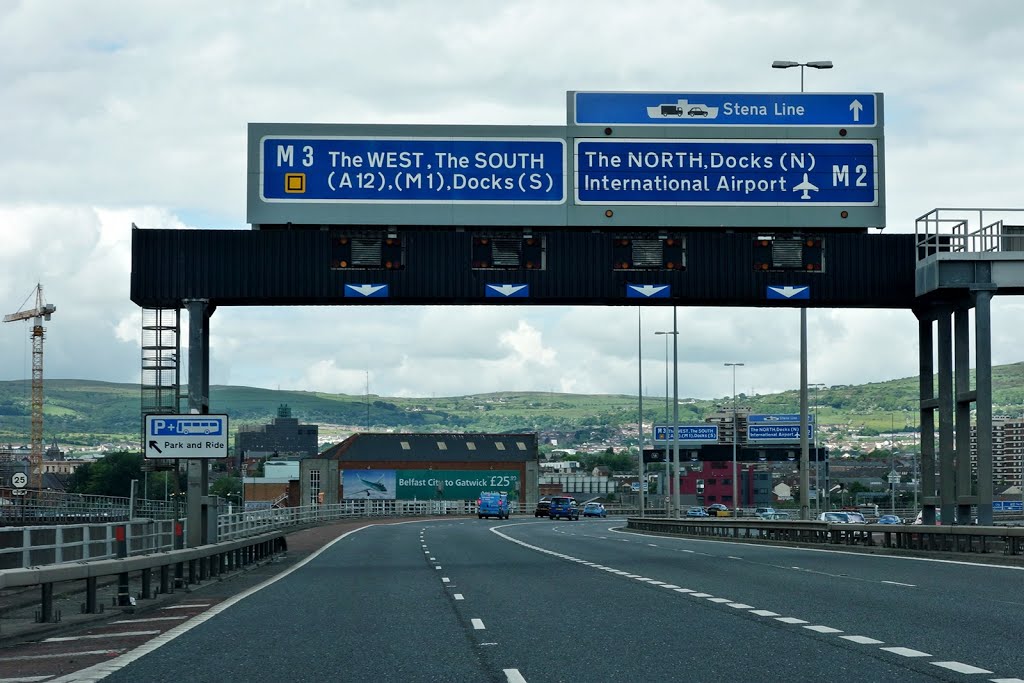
(697, 111)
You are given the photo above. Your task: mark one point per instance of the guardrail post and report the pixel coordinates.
(90, 595)
(47, 615)
(179, 544)
(121, 540)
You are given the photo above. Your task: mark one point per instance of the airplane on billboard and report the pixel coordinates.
(372, 487)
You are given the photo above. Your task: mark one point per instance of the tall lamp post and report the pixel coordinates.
(805, 477)
(817, 458)
(664, 487)
(735, 436)
(640, 409)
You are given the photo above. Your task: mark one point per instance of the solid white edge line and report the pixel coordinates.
(98, 672)
(26, 679)
(513, 676)
(99, 636)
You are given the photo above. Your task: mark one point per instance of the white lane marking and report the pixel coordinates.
(719, 600)
(897, 583)
(656, 583)
(688, 551)
(669, 585)
(426, 552)
(653, 545)
(1007, 680)
(437, 566)
(140, 621)
(458, 596)
(764, 613)
(739, 605)
(513, 676)
(823, 629)
(701, 595)
(98, 636)
(790, 620)
(683, 590)
(478, 624)
(26, 679)
(960, 667)
(433, 559)
(733, 557)
(445, 579)
(863, 640)
(25, 658)
(905, 652)
(187, 606)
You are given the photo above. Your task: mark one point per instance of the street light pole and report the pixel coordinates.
(817, 457)
(675, 412)
(805, 477)
(640, 410)
(664, 486)
(735, 436)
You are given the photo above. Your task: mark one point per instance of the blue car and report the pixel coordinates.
(594, 510)
(889, 519)
(696, 511)
(563, 506)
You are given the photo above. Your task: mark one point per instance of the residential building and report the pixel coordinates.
(1007, 451)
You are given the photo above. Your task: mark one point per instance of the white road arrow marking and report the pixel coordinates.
(855, 107)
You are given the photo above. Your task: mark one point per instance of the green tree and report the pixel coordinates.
(110, 476)
(229, 488)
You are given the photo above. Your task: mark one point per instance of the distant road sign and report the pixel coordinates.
(336, 169)
(851, 110)
(783, 428)
(783, 418)
(186, 436)
(19, 480)
(727, 172)
(1007, 506)
(702, 433)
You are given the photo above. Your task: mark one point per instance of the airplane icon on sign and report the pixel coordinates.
(806, 185)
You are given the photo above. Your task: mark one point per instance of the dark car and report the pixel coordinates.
(543, 507)
(718, 510)
(563, 507)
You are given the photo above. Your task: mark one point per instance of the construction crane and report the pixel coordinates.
(41, 312)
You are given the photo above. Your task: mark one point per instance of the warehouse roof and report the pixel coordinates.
(370, 447)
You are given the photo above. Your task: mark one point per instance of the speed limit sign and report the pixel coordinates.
(19, 480)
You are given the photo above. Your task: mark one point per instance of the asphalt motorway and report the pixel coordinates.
(559, 601)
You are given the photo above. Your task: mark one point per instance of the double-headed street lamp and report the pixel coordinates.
(664, 487)
(805, 477)
(783, 64)
(735, 436)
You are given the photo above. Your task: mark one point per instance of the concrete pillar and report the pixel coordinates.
(963, 400)
(928, 404)
(983, 403)
(947, 467)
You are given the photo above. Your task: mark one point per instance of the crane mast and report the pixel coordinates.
(41, 312)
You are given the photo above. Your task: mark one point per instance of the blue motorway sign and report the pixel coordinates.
(1007, 506)
(702, 433)
(783, 427)
(727, 172)
(782, 418)
(725, 109)
(383, 170)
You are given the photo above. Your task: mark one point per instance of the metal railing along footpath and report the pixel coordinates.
(1007, 541)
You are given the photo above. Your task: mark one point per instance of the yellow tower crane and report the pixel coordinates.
(41, 312)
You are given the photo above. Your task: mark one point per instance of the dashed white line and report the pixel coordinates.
(186, 606)
(669, 585)
(140, 621)
(1007, 680)
(98, 636)
(823, 629)
(733, 557)
(445, 579)
(683, 590)
(764, 613)
(653, 545)
(437, 566)
(897, 583)
(739, 605)
(906, 652)
(719, 600)
(478, 624)
(513, 676)
(863, 640)
(960, 667)
(791, 620)
(700, 595)
(458, 596)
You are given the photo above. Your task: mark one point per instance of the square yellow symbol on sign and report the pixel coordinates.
(294, 183)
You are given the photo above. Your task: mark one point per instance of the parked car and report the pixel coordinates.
(563, 506)
(594, 510)
(543, 507)
(696, 511)
(889, 519)
(717, 510)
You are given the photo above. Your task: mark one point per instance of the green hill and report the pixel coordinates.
(88, 412)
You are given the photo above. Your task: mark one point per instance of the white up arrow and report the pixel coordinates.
(855, 107)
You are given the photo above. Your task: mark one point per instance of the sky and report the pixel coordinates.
(118, 113)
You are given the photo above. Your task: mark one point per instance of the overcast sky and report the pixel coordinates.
(119, 112)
